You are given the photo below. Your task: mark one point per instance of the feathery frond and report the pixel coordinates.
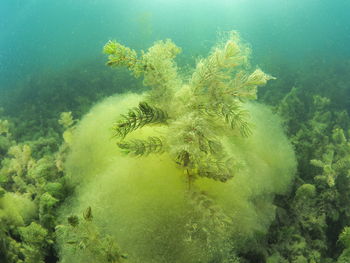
(214, 95)
(183, 158)
(139, 117)
(142, 147)
(236, 117)
(219, 170)
(119, 55)
(209, 222)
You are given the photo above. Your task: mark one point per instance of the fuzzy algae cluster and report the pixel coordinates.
(313, 222)
(31, 189)
(196, 166)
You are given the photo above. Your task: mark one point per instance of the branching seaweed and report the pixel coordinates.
(142, 147)
(204, 112)
(139, 117)
(214, 95)
(82, 237)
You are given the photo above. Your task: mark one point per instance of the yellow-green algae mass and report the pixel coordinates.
(160, 209)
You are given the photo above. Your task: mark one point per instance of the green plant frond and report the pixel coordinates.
(159, 71)
(205, 142)
(207, 74)
(4, 127)
(139, 117)
(88, 214)
(183, 158)
(210, 161)
(317, 163)
(215, 147)
(244, 86)
(142, 147)
(343, 163)
(209, 222)
(119, 55)
(234, 116)
(217, 68)
(83, 237)
(344, 237)
(202, 201)
(219, 170)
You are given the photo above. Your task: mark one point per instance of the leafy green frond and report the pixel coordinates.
(183, 158)
(215, 94)
(217, 167)
(317, 163)
(244, 86)
(342, 164)
(139, 117)
(212, 147)
(236, 117)
(84, 239)
(157, 67)
(4, 127)
(209, 223)
(119, 55)
(221, 62)
(233, 114)
(142, 147)
(66, 119)
(159, 70)
(219, 170)
(344, 237)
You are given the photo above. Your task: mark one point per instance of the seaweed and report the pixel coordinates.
(190, 110)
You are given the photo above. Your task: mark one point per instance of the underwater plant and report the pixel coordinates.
(4, 127)
(84, 239)
(310, 219)
(191, 170)
(198, 114)
(196, 166)
(31, 189)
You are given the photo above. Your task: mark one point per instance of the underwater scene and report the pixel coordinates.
(174, 131)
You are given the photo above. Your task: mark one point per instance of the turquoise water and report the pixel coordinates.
(40, 35)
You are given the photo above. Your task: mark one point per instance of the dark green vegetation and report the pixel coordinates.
(312, 221)
(40, 99)
(32, 154)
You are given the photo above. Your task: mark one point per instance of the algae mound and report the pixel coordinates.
(208, 162)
